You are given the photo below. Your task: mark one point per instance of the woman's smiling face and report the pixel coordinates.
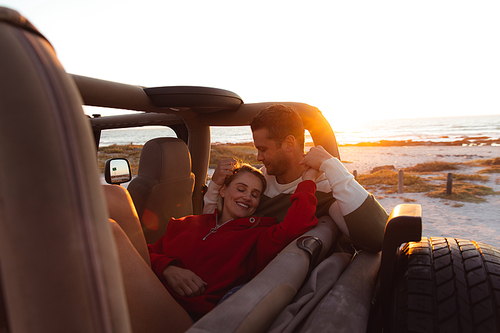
(241, 196)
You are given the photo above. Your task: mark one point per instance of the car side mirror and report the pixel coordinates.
(117, 171)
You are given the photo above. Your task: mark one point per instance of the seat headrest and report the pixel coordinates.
(165, 159)
(11, 16)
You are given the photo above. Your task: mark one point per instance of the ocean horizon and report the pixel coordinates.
(434, 130)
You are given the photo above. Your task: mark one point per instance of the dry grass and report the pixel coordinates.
(485, 162)
(463, 192)
(491, 169)
(463, 177)
(387, 181)
(492, 165)
(242, 153)
(435, 187)
(433, 167)
(407, 199)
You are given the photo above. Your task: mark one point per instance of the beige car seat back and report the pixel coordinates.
(164, 186)
(58, 263)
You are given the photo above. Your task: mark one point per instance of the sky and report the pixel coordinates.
(354, 60)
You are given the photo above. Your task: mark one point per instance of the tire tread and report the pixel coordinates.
(447, 285)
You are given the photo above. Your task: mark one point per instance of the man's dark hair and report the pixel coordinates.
(280, 121)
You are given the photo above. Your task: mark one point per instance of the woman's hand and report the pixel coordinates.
(224, 169)
(183, 281)
(312, 162)
(311, 174)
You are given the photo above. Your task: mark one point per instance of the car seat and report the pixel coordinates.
(59, 268)
(164, 186)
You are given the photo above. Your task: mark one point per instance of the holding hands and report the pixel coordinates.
(311, 174)
(315, 157)
(312, 162)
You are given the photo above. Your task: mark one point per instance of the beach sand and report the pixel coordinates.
(364, 159)
(473, 221)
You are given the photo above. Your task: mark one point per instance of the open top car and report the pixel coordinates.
(58, 261)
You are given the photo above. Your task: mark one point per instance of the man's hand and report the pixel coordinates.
(315, 157)
(183, 281)
(224, 169)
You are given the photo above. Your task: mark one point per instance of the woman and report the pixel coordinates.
(201, 257)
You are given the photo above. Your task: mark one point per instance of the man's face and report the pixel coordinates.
(272, 156)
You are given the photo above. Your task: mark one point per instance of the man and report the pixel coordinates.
(278, 134)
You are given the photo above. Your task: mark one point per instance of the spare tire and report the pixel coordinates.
(446, 285)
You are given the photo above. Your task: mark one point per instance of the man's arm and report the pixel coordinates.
(364, 218)
(366, 225)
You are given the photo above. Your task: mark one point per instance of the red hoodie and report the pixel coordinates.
(231, 254)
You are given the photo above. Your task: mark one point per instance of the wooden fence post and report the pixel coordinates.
(400, 181)
(449, 181)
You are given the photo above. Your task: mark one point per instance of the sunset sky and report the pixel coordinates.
(352, 59)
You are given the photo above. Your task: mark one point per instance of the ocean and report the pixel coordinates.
(438, 129)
